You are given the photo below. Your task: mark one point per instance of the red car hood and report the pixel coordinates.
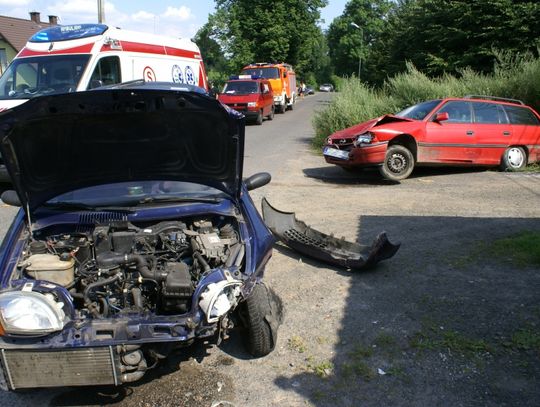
(252, 97)
(366, 126)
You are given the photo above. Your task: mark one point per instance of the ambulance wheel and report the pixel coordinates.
(259, 119)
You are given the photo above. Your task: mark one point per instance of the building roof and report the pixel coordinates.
(17, 31)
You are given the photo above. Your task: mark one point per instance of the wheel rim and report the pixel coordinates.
(397, 163)
(515, 157)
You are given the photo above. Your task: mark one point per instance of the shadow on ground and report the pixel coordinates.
(371, 175)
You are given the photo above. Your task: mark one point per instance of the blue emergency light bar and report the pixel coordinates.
(236, 77)
(68, 32)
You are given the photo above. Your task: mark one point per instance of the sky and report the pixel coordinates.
(165, 17)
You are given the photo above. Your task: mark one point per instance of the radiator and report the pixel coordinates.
(65, 367)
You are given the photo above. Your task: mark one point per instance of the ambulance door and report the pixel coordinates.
(106, 72)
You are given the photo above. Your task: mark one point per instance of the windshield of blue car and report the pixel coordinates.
(137, 193)
(26, 78)
(267, 73)
(419, 111)
(241, 88)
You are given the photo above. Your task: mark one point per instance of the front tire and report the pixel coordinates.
(514, 159)
(271, 115)
(258, 315)
(398, 163)
(259, 119)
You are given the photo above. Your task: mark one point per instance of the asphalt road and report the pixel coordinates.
(449, 321)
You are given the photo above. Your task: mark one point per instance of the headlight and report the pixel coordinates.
(252, 104)
(219, 298)
(365, 138)
(30, 313)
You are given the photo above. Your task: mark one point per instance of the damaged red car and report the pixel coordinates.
(474, 130)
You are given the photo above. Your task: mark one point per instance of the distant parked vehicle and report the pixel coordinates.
(326, 87)
(475, 130)
(249, 95)
(309, 91)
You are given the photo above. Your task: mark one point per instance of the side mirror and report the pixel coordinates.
(10, 197)
(441, 117)
(257, 180)
(96, 83)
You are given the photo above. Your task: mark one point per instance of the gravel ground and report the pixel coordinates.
(447, 322)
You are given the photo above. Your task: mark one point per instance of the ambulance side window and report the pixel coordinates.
(107, 72)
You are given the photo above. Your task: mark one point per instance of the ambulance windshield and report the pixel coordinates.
(26, 78)
(267, 73)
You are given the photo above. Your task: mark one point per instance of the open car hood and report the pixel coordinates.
(56, 144)
(363, 127)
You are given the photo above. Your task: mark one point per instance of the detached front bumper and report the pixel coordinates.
(362, 156)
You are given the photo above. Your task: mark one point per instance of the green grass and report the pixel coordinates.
(297, 344)
(524, 340)
(322, 369)
(522, 249)
(449, 340)
(358, 368)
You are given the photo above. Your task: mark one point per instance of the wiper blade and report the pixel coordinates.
(179, 199)
(81, 206)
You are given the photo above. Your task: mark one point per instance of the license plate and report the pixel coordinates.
(334, 152)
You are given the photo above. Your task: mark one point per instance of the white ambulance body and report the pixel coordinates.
(73, 58)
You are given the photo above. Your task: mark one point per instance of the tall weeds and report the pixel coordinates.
(514, 76)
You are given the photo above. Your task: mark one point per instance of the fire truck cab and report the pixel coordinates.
(283, 81)
(78, 57)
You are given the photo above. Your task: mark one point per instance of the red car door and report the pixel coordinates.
(452, 140)
(493, 132)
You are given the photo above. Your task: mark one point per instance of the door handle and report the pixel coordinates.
(470, 132)
(506, 133)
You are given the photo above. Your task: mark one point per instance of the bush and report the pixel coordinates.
(514, 76)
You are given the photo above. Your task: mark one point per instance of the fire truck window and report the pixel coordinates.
(107, 72)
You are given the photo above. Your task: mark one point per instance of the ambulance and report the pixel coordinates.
(282, 78)
(73, 58)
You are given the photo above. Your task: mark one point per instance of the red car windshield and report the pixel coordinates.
(241, 88)
(419, 111)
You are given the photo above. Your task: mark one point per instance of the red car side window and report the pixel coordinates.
(458, 111)
(521, 115)
(488, 113)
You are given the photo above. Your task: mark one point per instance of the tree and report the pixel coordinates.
(347, 43)
(261, 31)
(440, 36)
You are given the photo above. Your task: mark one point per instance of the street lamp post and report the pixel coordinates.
(361, 43)
(101, 11)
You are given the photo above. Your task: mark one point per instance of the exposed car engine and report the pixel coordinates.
(120, 267)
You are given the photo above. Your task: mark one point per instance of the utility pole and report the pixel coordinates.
(101, 11)
(361, 46)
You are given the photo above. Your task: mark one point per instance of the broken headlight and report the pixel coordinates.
(219, 298)
(30, 313)
(365, 138)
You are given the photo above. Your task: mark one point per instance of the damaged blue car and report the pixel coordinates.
(136, 235)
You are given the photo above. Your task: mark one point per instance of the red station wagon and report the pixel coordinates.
(250, 95)
(475, 130)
